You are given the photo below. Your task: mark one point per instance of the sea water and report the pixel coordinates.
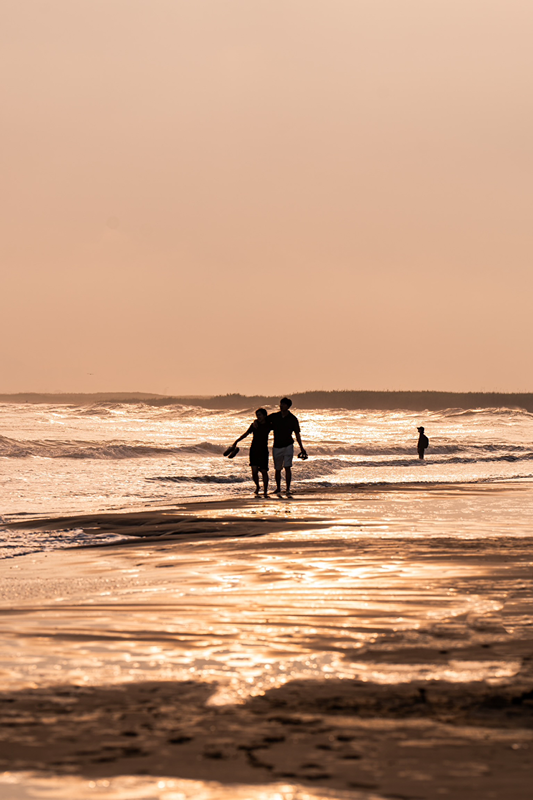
(61, 460)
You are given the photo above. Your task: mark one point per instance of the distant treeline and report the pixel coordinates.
(412, 401)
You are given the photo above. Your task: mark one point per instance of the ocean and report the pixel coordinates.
(66, 459)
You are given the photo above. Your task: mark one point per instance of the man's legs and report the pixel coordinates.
(283, 460)
(421, 453)
(288, 477)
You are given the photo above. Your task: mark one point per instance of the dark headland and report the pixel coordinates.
(412, 401)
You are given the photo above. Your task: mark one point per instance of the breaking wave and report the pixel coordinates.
(504, 411)
(47, 448)
(200, 479)
(511, 458)
(319, 485)
(332, 455)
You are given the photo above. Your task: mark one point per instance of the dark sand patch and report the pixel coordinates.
(170, 524)
(462, 742)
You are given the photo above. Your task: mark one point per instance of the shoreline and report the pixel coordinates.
(302, 493)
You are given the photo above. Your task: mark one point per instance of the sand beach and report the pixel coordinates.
(248, 648)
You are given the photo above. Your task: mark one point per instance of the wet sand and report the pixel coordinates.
(340, 735)
(253, 644)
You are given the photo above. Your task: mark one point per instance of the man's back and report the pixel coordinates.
(283, 427)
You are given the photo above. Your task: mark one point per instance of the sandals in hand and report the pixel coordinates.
(231, 452)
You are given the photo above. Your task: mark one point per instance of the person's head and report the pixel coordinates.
(284, 404)
(420, 430)
(261, 414)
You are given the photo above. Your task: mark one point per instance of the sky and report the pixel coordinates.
(261, 196)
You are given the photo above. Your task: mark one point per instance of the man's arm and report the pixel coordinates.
(299, 440)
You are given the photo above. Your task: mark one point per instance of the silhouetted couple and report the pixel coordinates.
(284, 424)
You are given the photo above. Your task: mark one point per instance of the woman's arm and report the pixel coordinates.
(245, 434)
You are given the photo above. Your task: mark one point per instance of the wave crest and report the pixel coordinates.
(199, 479)
(47, 448)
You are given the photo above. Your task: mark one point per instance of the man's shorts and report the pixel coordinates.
(283, 456)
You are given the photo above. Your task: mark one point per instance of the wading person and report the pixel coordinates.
(260, 428)
(284, 424)
(423, 443)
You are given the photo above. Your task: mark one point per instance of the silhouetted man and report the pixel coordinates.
(284, 424)
(423, 443)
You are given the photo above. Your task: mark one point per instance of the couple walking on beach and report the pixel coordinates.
(283, 423)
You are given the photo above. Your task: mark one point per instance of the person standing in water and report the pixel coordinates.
(423, 443)
(260, 428)
(284, 424)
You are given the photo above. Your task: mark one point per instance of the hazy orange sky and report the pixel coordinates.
(266, 195)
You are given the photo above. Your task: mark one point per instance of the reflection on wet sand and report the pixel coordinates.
(256, 616)
(294, 605)
(28, 786)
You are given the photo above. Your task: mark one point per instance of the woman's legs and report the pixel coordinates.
(264, 473)
(255, 476)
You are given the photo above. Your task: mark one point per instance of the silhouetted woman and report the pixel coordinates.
(260, 428)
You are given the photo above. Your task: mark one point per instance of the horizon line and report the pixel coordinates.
(296, 393)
